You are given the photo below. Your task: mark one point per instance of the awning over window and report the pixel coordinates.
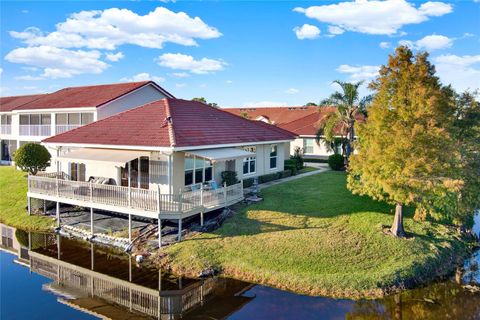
(221, 154)
(117, 158)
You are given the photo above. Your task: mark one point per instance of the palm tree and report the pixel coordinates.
(341, 122)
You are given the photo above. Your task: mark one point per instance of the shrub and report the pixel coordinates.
(298, 157)
(32, 157)
(315, 160)
(247, 183)
(291, 165)
(268, 177)
(336, 162)
(284, 174)
(229, 177)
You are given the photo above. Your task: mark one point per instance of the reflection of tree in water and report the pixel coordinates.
(439, 301)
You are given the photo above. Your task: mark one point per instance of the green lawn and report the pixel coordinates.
(13, 201)
(313, 236)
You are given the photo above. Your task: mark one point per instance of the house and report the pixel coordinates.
(33, 118)
(162, 160)
(302, 121)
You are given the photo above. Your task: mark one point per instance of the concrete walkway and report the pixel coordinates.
(322, 167)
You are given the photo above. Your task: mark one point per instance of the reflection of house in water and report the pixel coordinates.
(109, 285)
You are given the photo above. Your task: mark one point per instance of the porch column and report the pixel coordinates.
(225, 193)
(180, 229)
(29, 205)
(91, 222)
(129, 184)
(45, 207)
(159, 232)
(201, 204)
(129, 228)
(58, 214)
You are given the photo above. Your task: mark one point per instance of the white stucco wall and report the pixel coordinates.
(134, 99)
(318, 150)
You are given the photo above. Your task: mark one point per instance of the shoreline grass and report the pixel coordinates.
(13, 202)
(312, 236)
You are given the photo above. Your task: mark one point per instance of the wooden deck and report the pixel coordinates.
(141, 202)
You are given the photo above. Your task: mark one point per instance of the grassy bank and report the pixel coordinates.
(13, 201)
(312, 236)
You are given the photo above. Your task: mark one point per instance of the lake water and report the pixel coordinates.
(59, 278)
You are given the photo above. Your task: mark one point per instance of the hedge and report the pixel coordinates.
(247, 183)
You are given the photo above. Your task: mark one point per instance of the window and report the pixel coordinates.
(74, 118)
(250, 163)
(273, 156)
(8, 148)
(34, 119)
(197, 170)
(77, 171)
(139, 173)
(308, 146)
(62, 118)
(45, 119)
(87, 118)
(6, 119)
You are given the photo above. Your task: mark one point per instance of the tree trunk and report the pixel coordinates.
(350, 139)
(397, 227)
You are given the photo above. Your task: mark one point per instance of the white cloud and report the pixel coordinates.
(180, 75)
(259, 104)
(203, 85)
(113, 27)
(1, 71)
(229, 81)
(144, 76)
(291, 91)
(462, 72)
(114, 56)
(373, 16)
(57, 62)
(334, 30)
(180, 85)
(186, 62)
(307, 31)
(29, 77)
(359, 73)
(429, 43)
(385, 45)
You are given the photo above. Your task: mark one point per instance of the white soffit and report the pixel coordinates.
(221, 154)
(117, 158)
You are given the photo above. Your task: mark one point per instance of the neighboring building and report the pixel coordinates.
(33, 118)
(162, 160)
(303, 121)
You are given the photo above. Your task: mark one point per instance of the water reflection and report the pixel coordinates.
(108, 284)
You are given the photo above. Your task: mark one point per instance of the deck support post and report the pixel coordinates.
(159, 232)
(91, 222)
(129, 228)
(45, 207)
(58, 214)
(180, 229)
(29, 205)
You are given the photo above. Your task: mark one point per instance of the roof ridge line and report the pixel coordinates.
(171, 131)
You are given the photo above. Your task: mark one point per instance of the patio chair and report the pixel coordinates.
(213, 185)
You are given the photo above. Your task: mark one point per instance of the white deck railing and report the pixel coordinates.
(6, 129)
(61, 128)
(41, 130)
(140, 199)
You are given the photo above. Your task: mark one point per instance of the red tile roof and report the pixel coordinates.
(10, 103)
(276, 115)
(191, 124)
(81, 97)
(303, 121)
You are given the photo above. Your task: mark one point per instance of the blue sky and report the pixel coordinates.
(233, 53)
